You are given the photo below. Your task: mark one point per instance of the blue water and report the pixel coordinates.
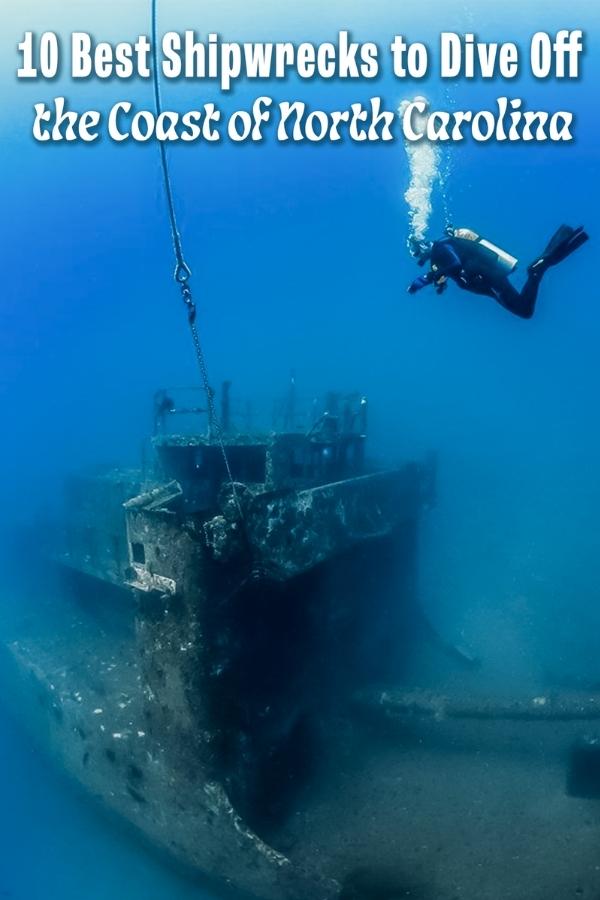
(299, 263)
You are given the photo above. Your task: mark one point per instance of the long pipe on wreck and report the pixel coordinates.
(554, 707)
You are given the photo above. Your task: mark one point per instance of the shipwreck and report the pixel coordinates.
(244, 598)
(229, 675)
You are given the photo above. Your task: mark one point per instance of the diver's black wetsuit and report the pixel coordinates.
(458, 259)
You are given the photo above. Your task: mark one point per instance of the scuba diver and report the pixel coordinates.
(477, 265)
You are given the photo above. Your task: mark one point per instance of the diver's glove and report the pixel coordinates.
(419, 283)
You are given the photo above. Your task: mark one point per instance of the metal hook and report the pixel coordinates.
(183, 273)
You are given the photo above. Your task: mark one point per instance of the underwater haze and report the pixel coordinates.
(300, 264)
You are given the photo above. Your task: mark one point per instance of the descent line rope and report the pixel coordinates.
(183, 273)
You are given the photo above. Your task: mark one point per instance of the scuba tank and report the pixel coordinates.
(480, 254)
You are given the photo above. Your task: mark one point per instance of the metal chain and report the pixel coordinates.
(183, 274)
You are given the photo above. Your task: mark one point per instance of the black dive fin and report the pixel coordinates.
(562, 244)
(564, 233)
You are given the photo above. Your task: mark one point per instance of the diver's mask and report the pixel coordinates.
(419, 250)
